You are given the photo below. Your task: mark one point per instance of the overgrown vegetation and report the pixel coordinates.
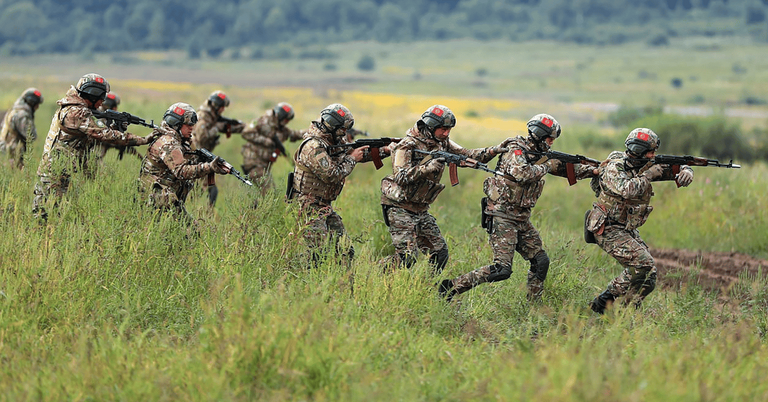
(105, 302)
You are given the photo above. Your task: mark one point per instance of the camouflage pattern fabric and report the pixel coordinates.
(507, 236)
(623, 197)
(410, 186)
(168, 171)
(259, 152)
(17, 128)
(67, 147)
(206, 131)
(413, 232)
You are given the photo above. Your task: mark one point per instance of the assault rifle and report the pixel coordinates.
(373, 143)
(120, 120)
(279, 148)
(230, 123)
(206, 156)
(454, 160)
(568, 159)
(675, 161)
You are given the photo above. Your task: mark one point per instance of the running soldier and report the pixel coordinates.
(319, 177)
(624, 191)
(18, 126)
(507, 209)
(170, 167)
(73, 131)
(263, 144)
(415, 184)
(209, 124)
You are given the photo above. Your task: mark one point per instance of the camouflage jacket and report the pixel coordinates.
(513, 196)
(73, 130)
(259, 148)
(18, 125)
(410, 186)
(170, 167)
(623, 193)
(206, 132)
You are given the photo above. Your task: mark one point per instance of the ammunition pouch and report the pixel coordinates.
(637, 215)
(486, 221)
(589, 237)
(384, 210)
(289, 191)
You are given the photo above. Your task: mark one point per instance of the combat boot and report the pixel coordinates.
(535, 288)
(602, 301)
(446, 289)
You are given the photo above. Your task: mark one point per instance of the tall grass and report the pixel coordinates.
(107, 301)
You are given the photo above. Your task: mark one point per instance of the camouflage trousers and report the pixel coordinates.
(413, 232)
(16, 151)
(55, 185)
(322, 227)
(639, 276)
(506, 237)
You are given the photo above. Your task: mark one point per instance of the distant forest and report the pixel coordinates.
(210, 27)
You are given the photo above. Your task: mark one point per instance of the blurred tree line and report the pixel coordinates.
(64, 26)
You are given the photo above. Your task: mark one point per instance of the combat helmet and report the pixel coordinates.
(438, 116)
(179, 114)
(640, 141)
(92, 87)
(32, 97)
(284, 111)
(218, 99)
(336, 116)
(542, 126)
(112, 101)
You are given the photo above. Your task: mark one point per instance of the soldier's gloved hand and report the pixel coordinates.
(654, 172)
(122, 126)
(218, 166)
(498, 150)
(685, 177)
(434, 165)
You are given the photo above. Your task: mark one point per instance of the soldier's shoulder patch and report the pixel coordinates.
(324, 162)
(99, 123)
(518, 152)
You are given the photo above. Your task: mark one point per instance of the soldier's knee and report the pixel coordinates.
(499, 272)
(439, 259)
(540, 265)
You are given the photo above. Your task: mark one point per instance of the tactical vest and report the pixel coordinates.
(419, 194)
(629, 212)
(514, 194)
(306, 183)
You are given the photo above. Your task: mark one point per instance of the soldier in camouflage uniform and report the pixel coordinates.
(170, 167)
(100, 149)
(624, 192)
(507, 209)
(18, 126)
(261, 150)
(319, 176)
(209, 125)
(415, 184)
(72, 133)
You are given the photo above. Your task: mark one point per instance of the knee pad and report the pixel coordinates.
(406, 259)
(439, 259)
(540, 265)
(648, 285)
(499, 273)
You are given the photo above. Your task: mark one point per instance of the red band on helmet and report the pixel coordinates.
(286, 108)
(111, 96)
(438, 112)
(37, 93)
(518, 152)
(99, 80)
(222, 95)
(179, 111)
(341, 113)
(643, 136)
(547, 122)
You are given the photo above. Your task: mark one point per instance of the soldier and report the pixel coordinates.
(507, 209)
(624, 191)
(100, 150)
(319, 176)
(170, 167)
(18, 126)
(210, 123)
(72, 133)
(414, 184)
(263, 140)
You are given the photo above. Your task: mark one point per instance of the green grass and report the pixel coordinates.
(105, 302)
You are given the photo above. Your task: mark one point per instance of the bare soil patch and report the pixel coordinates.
(716, 271)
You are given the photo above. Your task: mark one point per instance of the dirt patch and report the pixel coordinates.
(712, 270)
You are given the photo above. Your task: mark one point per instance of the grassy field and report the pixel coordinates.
(105, 303)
